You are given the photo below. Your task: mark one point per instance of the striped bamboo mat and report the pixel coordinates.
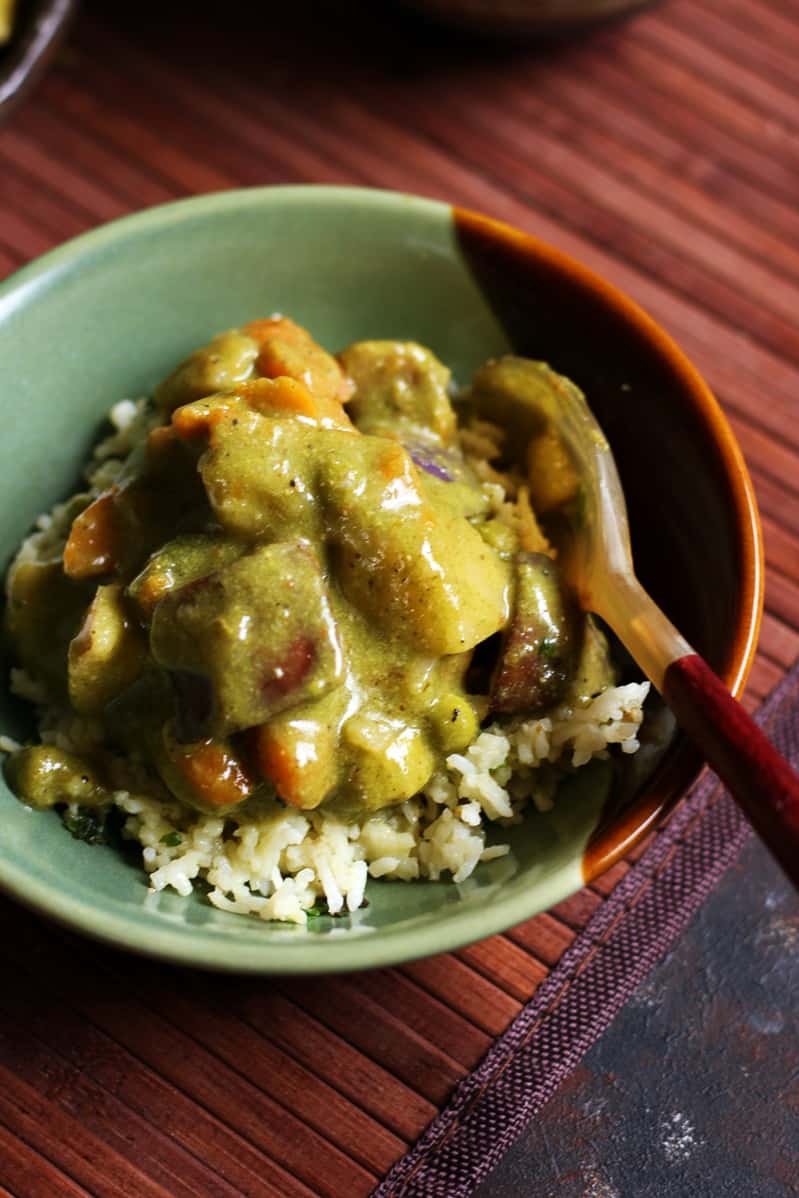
(665, 154)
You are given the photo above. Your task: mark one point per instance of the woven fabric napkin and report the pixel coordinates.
(626, 936)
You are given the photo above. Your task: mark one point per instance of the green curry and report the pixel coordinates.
(303, 583)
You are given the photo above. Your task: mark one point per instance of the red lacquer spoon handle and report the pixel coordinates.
(762, 782)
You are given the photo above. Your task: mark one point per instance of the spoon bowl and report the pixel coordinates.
(595, 557)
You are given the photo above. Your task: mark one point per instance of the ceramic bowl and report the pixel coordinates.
(107, 315)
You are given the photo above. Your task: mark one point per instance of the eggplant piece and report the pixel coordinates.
(95, 544)
(594, 669)
(525, 397)
(43, 612)
(106, 655)
(536, 659)
(259, 631)
(179, 562)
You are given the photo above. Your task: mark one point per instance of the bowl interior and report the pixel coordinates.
(106, 316)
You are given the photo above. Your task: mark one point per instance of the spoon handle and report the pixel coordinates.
(760, 780)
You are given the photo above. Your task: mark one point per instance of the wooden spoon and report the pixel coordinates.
(596, 559)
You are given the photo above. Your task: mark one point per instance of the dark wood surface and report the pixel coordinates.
(664, 153)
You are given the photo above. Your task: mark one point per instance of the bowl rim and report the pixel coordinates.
(388, 946)
(609, 844)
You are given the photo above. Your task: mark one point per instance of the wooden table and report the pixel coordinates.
(665, 154)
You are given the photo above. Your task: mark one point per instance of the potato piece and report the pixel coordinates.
(455, 722)
(387, 760)
(228, 359)
(259, 631)
(43, 776)
(440, 588)
(423, 575)
(106, 655)
(552, 475)
(399, 386)
(259, 475)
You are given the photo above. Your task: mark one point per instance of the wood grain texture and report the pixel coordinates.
(665, 154)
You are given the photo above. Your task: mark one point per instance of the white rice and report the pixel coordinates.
(276, 862)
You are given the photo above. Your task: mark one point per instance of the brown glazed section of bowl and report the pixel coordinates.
(693, 517)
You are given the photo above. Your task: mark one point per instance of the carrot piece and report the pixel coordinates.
(289, 396)
(160, 440)
(94, 547)
(281, 394)
(277, 763)
(285, 348)
(151, 591)
(393, 462)
(268, 327)
(299, 765)
(197, 421)
(213, 775)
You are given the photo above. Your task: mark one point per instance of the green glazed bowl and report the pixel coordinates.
(107, 315)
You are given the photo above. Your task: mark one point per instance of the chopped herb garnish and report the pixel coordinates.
(87, 824)
(320, 907)
(172, 839)
(548, 649)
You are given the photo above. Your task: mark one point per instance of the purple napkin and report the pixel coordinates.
(594, 978)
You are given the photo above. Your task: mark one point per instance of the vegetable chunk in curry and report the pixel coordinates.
(310, 581)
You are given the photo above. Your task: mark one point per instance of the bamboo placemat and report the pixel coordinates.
(665, 154)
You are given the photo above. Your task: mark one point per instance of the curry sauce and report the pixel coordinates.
(305, 582)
